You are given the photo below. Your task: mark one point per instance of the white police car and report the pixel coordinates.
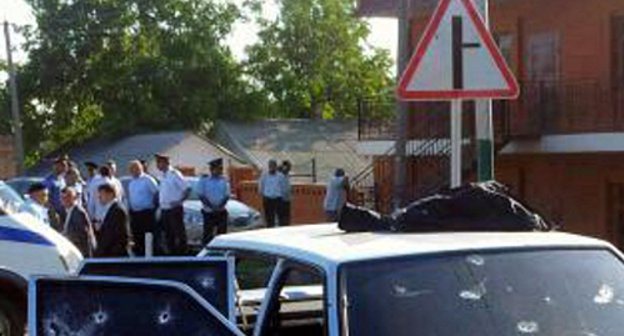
(320, 280)
(27, 247)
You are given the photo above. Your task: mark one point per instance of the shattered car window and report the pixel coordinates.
(550, 292)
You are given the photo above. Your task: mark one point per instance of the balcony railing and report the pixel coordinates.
(555, 108)
(543, 108)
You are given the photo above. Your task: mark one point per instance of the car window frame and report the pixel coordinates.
(343, 316)
(277, 278)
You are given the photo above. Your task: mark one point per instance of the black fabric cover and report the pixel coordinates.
(473, 207)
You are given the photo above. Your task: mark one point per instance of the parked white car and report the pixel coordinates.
(27, 248)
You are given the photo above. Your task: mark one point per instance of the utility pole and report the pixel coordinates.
(484, 123)
(400, 176)
(17, 120)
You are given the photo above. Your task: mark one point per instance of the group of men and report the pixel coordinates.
(105, 220)
(275, 188)
(88, 213)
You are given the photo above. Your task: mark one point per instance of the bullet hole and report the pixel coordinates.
(100, 317)
(164, 317)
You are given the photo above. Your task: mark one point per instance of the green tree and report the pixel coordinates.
(313, 59)
(118, 66)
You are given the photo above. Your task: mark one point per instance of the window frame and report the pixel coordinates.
(284, 264)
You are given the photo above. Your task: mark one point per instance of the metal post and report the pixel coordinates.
(17, 120)
(456, 143)
(401, 142)
(484, 123)
(149, 245)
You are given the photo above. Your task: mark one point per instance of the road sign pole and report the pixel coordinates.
(456, 143)
(400, 177)
(484, 123)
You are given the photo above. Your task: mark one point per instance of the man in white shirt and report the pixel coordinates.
(173, 191)
(37, 202)
(271, 188)
(119, 190)
(94, 206)
(335, 196)
(92, 175)
(142, 200)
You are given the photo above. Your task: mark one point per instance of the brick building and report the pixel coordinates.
(561, 145)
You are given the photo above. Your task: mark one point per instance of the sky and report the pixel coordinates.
(384, 31)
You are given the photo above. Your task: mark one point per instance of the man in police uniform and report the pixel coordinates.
(214, 193)
(142, 199)
(173, 191)
(55, 182)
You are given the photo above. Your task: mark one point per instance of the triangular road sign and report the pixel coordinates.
(457, 58)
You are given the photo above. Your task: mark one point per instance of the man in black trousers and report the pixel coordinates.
(173, 191)
(142, 200)
(214, 193)
(285, 206)
(271, 187)
(114, 238)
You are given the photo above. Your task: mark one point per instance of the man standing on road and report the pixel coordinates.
(284, 211)
(92, 175)
(335, 196)
(112, 166)
(92, 170)
(173, 191)
(55, 182)
(37, 202)
(114, 237)
(142, 199)
(74, 180)
(94, 208)
(214, 193)
(77, 226)
(271, 187)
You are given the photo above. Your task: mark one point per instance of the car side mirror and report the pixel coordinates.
(121, 306)
(212, 278)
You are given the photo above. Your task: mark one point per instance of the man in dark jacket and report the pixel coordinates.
(77, 226)
(114, 238)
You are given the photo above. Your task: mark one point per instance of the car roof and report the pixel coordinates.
(326, 244)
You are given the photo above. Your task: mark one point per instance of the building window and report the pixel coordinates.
(543, 57)
(617, 50)
(505, 44)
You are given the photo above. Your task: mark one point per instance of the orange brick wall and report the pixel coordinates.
(237, 175)
(307, 201)
(570, 190)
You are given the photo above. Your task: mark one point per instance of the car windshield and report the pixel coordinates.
(550, 292)
(10, 201)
